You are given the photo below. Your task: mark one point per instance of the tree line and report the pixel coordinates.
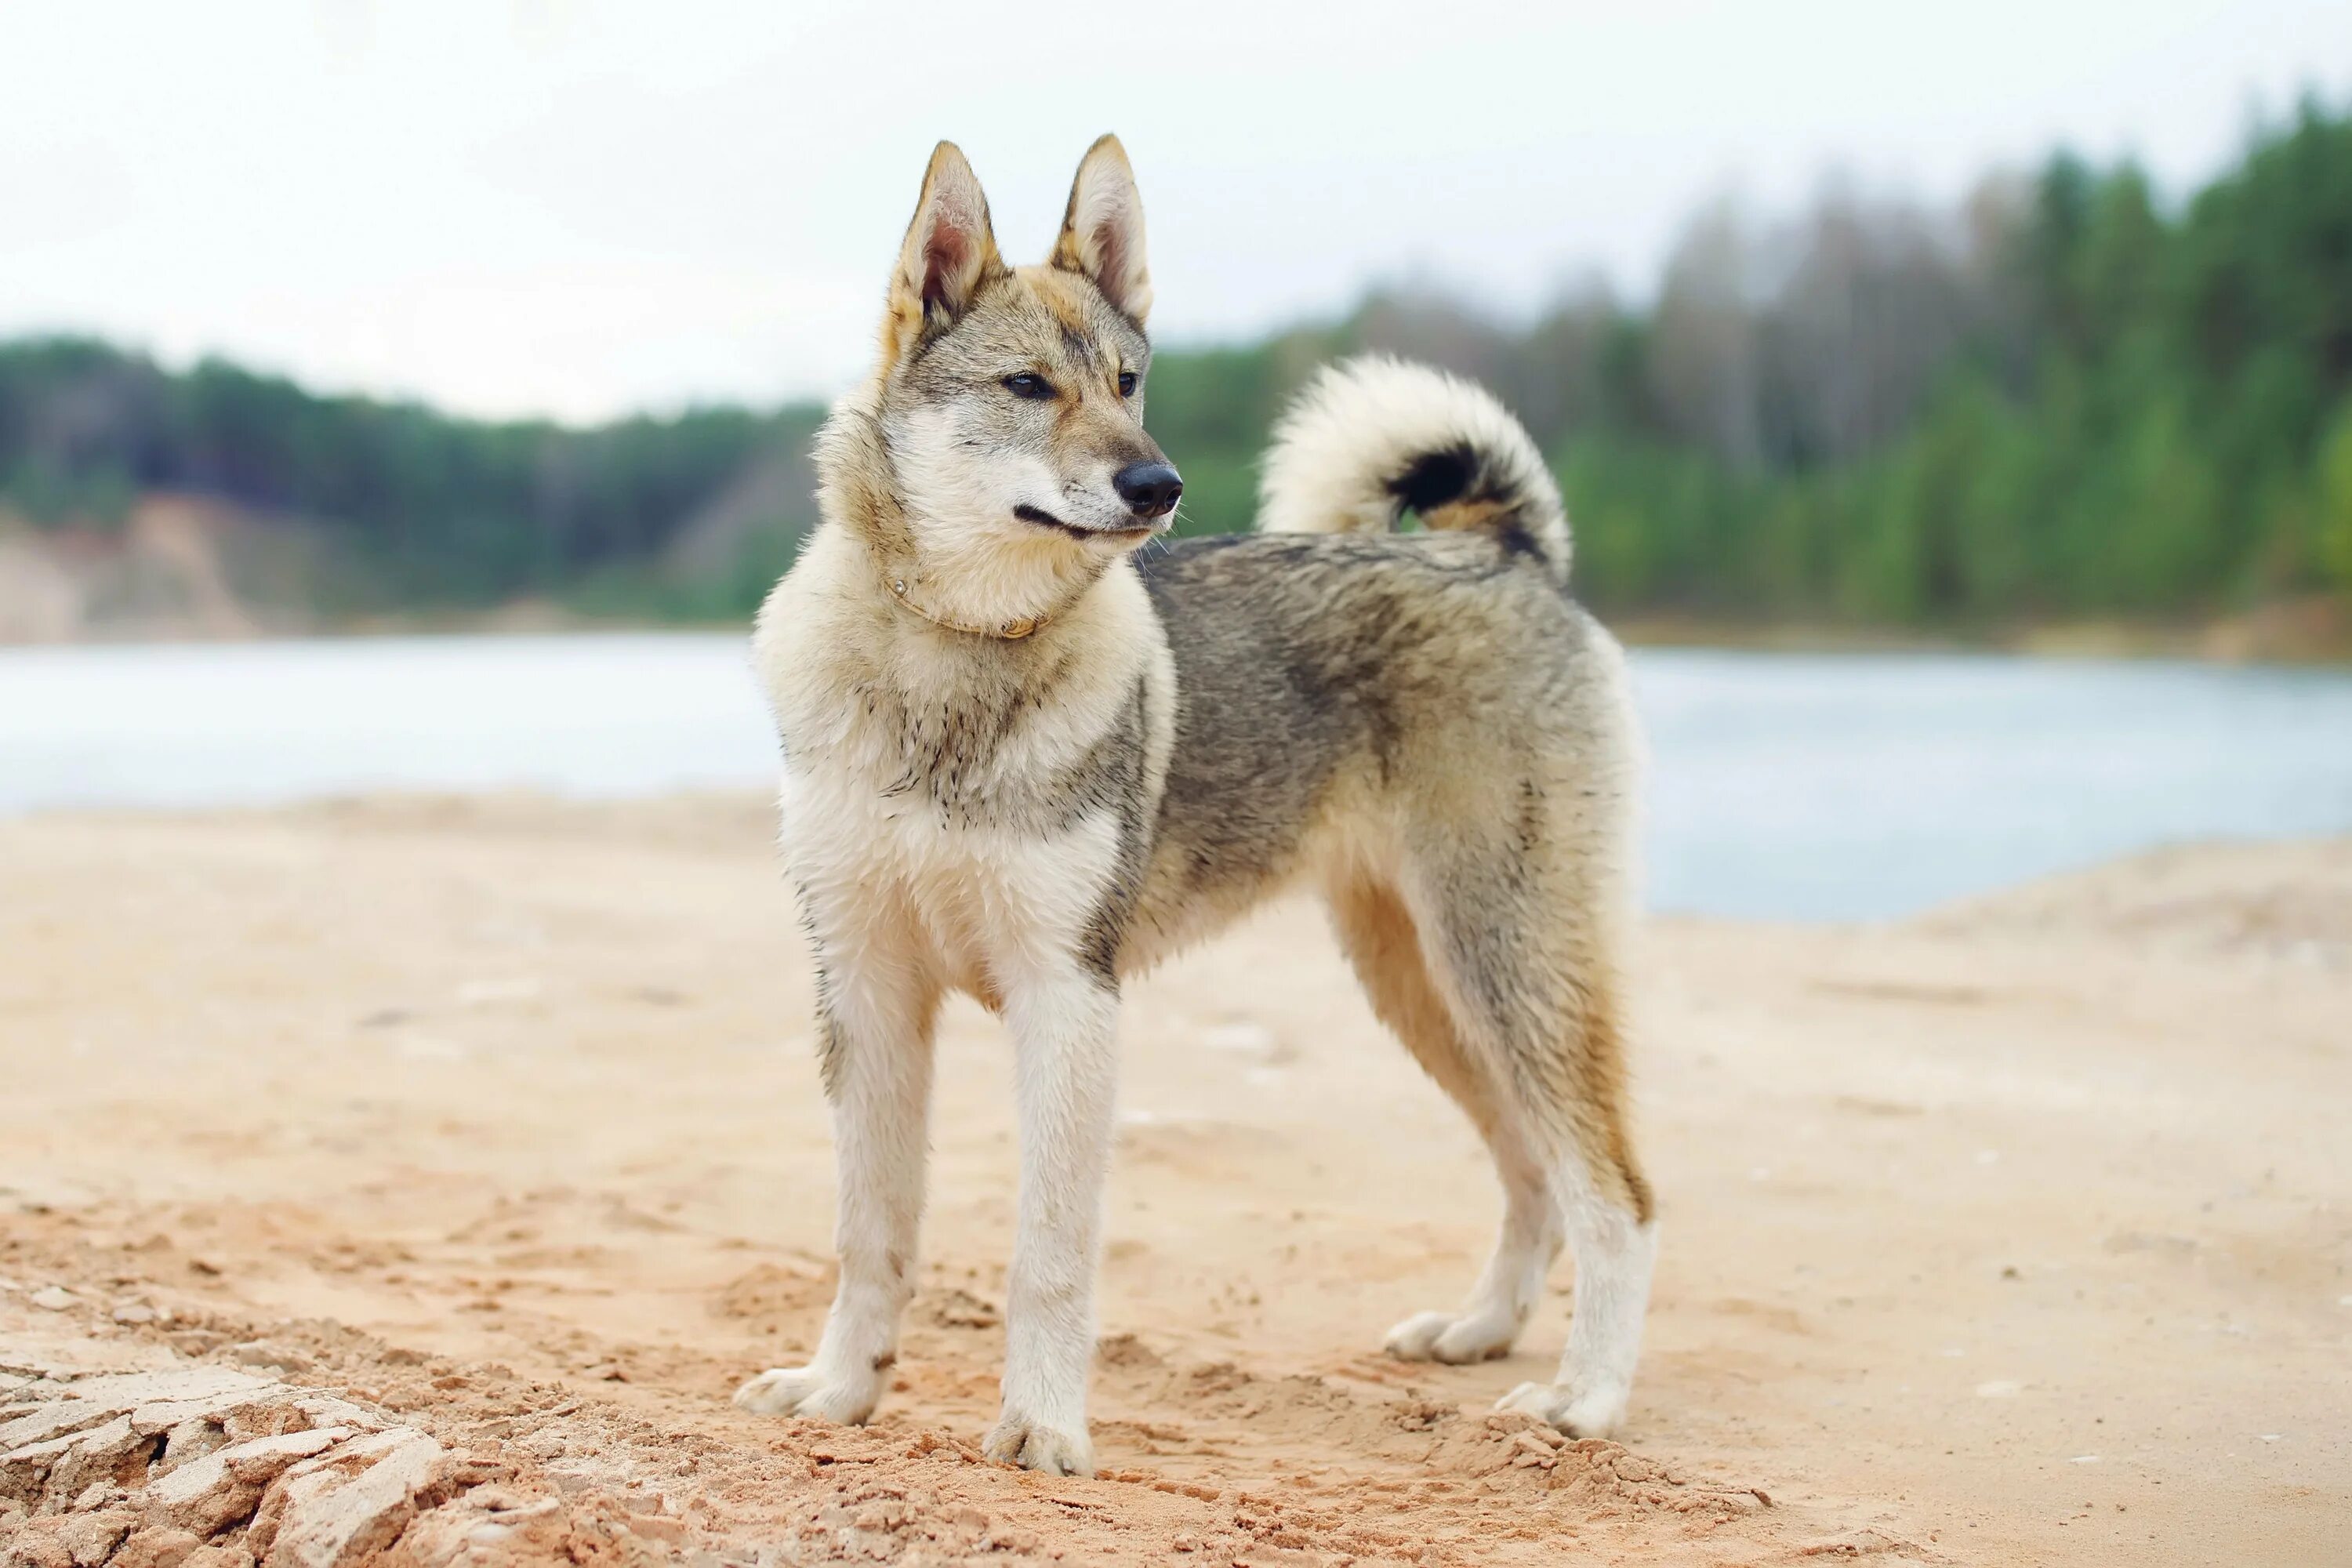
(2066, 395)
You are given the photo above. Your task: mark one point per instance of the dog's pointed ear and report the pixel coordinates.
(1102, 232)
(949, 252)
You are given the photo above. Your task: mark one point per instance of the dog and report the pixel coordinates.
(1023, 760)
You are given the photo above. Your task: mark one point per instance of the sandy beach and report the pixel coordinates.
(2019, 1232)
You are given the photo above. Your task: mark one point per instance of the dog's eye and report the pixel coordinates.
(1127, 384)
(1028, 386)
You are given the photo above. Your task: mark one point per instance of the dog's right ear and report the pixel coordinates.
(1102, 231)
(949, 252)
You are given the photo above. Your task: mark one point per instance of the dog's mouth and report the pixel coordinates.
(1141, 528)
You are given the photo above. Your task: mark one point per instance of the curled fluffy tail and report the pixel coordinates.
(1371, 436)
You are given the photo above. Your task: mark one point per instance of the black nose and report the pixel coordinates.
(1150, 488)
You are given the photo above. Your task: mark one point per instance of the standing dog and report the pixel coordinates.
(1018, 765)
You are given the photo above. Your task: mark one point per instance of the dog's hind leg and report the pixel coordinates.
(1612, 1230)
(1519, 945)
(1382, 941)
(876, 1008)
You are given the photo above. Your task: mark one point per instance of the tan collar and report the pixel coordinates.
(1013, 630)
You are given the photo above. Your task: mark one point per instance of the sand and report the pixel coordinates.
(2018, 1232)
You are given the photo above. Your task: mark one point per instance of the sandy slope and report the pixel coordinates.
(2019, 1234)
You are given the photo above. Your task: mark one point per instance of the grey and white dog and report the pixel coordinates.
(1020, 763)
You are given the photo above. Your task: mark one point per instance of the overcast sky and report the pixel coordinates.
(581, 207)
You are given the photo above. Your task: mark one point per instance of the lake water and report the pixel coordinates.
(1847, 786)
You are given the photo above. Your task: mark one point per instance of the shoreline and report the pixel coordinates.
(2233, 642)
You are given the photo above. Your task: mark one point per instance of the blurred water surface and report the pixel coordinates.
(1795, 786)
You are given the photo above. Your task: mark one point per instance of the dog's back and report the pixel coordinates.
(1338, 682)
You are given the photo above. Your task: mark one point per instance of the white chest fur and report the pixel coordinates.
(984, 903)
(928, 800)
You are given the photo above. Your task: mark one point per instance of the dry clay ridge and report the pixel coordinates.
(230, 1461)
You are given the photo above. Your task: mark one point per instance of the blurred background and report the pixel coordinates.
(1866, 340)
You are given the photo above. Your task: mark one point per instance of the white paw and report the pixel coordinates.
(1453, 1338)
(1593, 1412)
(1035, 1445)
(809, 1391)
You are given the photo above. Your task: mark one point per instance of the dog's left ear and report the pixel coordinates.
(949, 253)
(1102, 232)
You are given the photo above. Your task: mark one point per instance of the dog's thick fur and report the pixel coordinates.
(1020, 763)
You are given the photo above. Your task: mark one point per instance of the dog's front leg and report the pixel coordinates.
(874, 1044)
(1066, 1073)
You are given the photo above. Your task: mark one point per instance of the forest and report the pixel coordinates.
(2070, 395)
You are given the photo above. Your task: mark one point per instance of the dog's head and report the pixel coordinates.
(1011, 398)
